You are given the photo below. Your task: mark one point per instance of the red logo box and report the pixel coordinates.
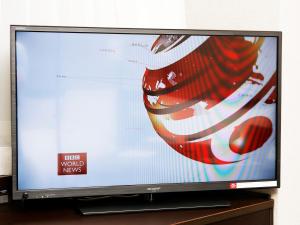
(72, 163)
(233, 186)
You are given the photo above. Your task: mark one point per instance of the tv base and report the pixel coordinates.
(148, 202)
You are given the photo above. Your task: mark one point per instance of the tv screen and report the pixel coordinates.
(136, 111)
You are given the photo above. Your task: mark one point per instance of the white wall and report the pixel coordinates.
(268, 15)
(288, 197)
(98, 13)
(233, 14)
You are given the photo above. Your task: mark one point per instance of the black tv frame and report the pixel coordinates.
(129, 189)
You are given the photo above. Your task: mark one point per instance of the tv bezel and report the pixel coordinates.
(130, 189)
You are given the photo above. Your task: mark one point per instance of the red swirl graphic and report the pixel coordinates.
(209, 74)
(250, 135)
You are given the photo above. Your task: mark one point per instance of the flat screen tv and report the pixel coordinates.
(102, 111)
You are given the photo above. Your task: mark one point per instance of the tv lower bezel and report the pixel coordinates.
(134, 189)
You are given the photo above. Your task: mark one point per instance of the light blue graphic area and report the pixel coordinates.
(83, 93)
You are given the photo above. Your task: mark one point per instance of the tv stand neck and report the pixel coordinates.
(149, 197)
(143, 203)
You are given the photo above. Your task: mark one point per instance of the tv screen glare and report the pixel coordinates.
(119, 111)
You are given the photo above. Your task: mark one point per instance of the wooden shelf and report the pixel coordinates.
(5, 182)
(246, 209)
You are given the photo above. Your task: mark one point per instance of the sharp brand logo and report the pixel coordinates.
(153, 189)
(72, 163)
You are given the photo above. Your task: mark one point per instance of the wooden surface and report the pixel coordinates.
(5, 183)
(246, 209)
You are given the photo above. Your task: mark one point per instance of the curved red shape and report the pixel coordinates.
(272, 98)
(210, 73)
(250, 135)
(200, 151)
(182, 114)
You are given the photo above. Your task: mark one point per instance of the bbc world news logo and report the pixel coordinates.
(72, 163)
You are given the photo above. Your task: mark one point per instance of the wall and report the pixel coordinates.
(97, 13)
(233, 14)
(267, 15)
(288, 197)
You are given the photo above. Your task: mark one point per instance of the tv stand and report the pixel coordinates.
(148, 202)
(246, 209)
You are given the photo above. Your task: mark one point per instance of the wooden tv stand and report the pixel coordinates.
(246, 209)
